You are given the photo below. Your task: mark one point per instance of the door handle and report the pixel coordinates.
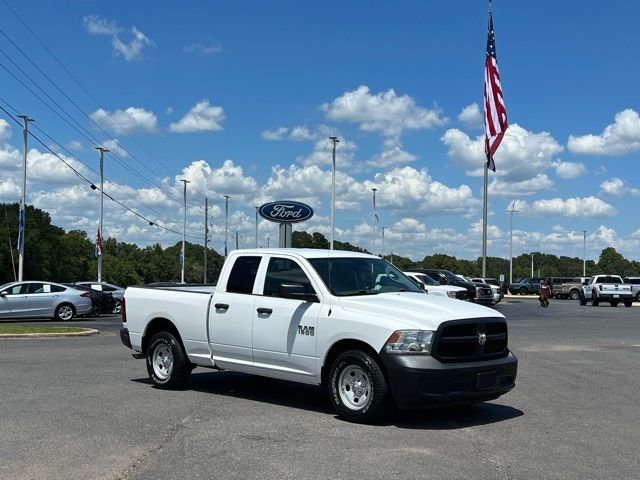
(265, 310)
(221, 306)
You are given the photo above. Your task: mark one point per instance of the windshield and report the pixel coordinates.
(345, 276)
(450, 276)
(426, 279)
(492, 281)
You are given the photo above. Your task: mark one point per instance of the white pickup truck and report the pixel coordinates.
(606, 288)
(349, 321)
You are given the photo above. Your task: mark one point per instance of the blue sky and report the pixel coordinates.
(240, 98)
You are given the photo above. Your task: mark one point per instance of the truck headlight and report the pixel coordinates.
(451, 294)
(409, 341)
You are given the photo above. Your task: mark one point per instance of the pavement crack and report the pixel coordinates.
(141, 460)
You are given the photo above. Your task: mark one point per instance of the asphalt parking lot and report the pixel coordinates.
(80, 408)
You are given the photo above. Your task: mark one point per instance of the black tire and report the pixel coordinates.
(378, 396)
(638, 297)
(522, 291)
(594, 299)
(628, 303)
(614, 303)
(167, 364)
(64, 312)
(574, 295)
(117, 308)
(583, 301)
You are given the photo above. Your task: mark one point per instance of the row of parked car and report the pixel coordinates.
(485, 291)
(60, 301)
(570, 287)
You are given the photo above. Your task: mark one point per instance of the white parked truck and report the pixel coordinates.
(606, 288)
(350, 321)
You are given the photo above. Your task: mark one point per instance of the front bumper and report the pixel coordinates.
(419, 381)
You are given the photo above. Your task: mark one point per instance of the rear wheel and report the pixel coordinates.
(613, 303)
(64, 312)
(117, 308)
(358, 388)
(628, 303)
(574, 295)
(167, 364)
(522, 291)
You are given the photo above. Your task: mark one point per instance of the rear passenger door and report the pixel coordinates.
(284, 329)
(41, 299)
(231, 315)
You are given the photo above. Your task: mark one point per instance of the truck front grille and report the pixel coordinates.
(471, 340)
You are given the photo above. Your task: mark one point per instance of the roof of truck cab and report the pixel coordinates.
(303, 252)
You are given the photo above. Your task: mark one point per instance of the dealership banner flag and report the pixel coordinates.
(98, 243)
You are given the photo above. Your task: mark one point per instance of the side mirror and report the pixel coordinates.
(585, 283)
(295, 291)
(4, 293)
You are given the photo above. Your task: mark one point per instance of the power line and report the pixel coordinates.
(87, 135)
(94, 187)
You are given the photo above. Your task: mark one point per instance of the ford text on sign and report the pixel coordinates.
(286, 212)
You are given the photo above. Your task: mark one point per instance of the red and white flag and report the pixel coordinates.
(495, 113)
(98, 243)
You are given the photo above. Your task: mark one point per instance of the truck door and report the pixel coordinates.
(231, 315)
(284, 329)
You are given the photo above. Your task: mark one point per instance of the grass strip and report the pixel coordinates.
(18, 329)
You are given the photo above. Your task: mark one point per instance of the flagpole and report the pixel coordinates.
(23, 200)
(333, 193)
(184, 230)
(484, 219)
(101, 239)
(373, 230)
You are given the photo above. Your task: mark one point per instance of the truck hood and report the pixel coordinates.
(414, 310)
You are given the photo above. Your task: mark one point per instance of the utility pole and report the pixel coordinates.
(100, 236)
(382, 249)
(333, 192)
(511, 212)
(257, 227)
(206, 235)
(226, 223)
(584, 253)
(374, 221)
(184, 231)
(22, 220)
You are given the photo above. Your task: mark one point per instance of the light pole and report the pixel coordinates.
(382, 248)
(100, 237)
(511, 212)
(22, 220)
(375, 220)
(256, 227)
(532, 265)
(206, 236)
(184, 230)
(333, 192)
(226, 223)
(584, 253)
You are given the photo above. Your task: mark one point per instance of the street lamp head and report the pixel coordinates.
(102, 149)
(334, 139)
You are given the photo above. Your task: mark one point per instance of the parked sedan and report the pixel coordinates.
(42, 299)
(431, 286)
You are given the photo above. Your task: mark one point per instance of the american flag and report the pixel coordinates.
(98, 243)
(495, 113)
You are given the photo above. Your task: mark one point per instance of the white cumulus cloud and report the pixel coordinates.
(277, 134)
(620, 138)
(127, 121)
(569, 169)
(202, 117)
(471, 116)
(129, 50)
(617, 188)
(591, 207)
(386, 113)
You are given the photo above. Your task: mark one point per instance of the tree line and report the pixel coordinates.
(53, 254)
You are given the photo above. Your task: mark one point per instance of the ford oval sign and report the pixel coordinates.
(286, 212)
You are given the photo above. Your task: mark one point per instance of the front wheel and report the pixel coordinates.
(574, 295)
(359, 390)
(594, 299)
(523, 291)
(628, 303)
(64, 312)
(167, 364)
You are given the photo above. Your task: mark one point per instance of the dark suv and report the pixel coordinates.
(478, 292)
(525, 286)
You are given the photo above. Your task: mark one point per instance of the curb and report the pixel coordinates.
(84, 333)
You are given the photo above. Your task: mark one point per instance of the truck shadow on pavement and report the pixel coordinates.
(315, 398)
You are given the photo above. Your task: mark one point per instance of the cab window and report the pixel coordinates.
(243, 275)
(285, 271)
(36, 288)
(21, 288)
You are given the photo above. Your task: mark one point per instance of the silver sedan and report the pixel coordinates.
(42, 299)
